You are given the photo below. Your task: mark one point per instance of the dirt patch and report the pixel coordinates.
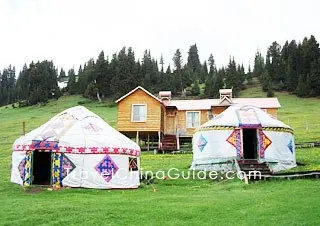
(33, 190)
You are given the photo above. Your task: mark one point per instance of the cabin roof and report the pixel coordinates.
(206, 104)
(135, 89)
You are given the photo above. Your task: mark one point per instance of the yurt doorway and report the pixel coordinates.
(249, 138)
(41, 169)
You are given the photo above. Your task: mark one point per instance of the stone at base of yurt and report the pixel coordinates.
(219, 167)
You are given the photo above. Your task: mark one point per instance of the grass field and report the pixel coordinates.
(166, 202)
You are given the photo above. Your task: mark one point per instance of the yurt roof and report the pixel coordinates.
(248, 116)
(77, 130)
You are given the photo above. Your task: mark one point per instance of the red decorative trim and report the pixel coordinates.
(82, 150)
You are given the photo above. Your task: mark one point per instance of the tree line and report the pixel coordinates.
(293, 67)
(113, 78)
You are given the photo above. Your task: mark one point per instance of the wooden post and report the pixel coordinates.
(178, 142)
(137, 137)
(159, 139)
(23, 128)
(148, 145)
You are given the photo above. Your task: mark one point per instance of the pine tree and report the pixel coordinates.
(101, 76)
(219, 82)
(266, 81)
(210, 80)
(147, 70)
(62, 74)
(275, 66)
(232, 76)
(23, 84)
(43, 82)
(249, 76)
(177, 81)
(314, 78)
(203, 72)
(193, 60)
(302, 88)
(72, 86)
(195, 89)
(259, 65)
(162, 63)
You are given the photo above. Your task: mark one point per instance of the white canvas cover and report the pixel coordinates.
(86, 152)
(220, 139)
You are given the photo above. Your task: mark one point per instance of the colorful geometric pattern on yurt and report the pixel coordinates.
(67, 166)
(235, 140)
(202, 142)
(27, 169)
(264, 142)
(290, 146)
(45, 145)
(248, 118)
(107, 168)
(21, 167)
(56, 169)
(133, 164)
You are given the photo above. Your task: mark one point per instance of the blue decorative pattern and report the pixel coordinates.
(67, 166)
(107, 168)
(290, 146)
(27, 169)
(202, 142)
(47, 145)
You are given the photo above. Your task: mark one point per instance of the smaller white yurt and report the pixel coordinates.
(76, 148)
(243, 132)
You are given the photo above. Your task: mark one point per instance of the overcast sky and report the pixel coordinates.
(69, 32)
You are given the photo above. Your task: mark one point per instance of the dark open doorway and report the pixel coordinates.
(41, 168)
(249, 138)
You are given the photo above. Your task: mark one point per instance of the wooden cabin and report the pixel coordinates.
(164, 123)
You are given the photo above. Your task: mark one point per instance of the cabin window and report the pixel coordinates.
(193, 119)
(139, 113)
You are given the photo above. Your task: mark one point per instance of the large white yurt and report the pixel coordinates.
(76, 148)
(243, 132)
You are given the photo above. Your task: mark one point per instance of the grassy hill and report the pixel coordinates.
(302, 114)
(166, 202)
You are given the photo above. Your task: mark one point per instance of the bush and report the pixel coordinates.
(23, 103)
(270, 93)
(83, 102)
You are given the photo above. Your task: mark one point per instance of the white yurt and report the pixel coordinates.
(243, 132)
(76, 148)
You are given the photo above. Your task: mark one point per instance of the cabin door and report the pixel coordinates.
(171, 125)
(250, 143)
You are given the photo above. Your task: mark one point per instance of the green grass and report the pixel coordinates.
(175, 202)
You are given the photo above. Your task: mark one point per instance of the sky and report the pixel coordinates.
(70, 32)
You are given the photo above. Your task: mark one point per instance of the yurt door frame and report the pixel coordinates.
(39, 180)
(250, 143)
